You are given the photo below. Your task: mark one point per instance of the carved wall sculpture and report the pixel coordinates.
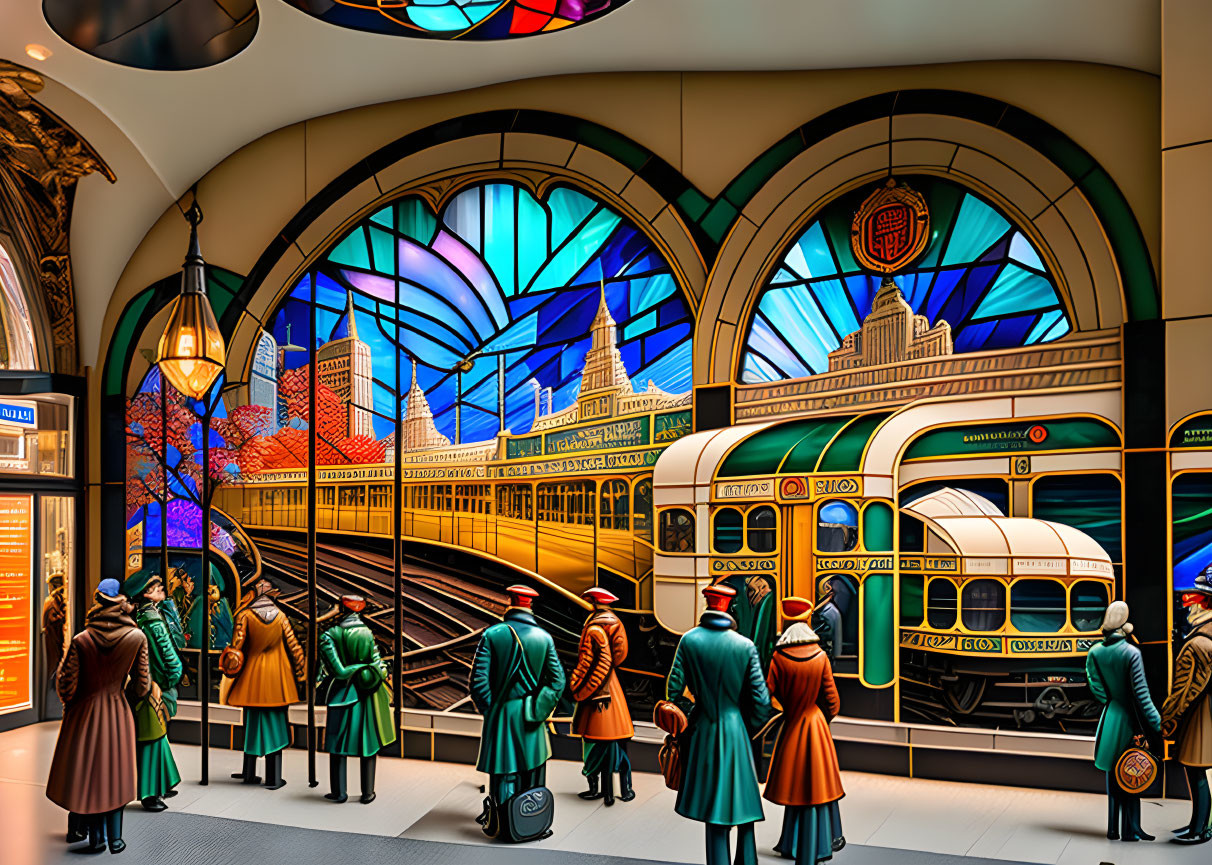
(41, 159)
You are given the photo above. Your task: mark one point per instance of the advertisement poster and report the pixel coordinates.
(16, 601)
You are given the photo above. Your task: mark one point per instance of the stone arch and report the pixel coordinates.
(1058, 196)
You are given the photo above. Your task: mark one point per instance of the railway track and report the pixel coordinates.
(443, 614)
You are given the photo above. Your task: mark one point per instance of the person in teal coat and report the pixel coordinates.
(354, 679)
(1116, 675)
(157, 770)
(722, 670)
(516, 682)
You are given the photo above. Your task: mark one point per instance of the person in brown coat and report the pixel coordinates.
(92, 773)
(264, 660)
(804, 775)
(1187, 712)
(602, 718)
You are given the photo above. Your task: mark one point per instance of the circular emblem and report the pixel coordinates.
(1135, 770)
(793, 488)
(890, 228)
(1037, 433)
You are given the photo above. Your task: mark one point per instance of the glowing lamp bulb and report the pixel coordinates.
(38, 52)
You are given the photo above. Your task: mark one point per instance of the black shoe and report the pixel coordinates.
(626, 793)
(1112, 835)
(113, 828)
(592, 792)
(607, 789)
(779, 850)
(249, 775)
(366, 772)
(169, 794)
(336, 779)
(838, 843)
(155, 804)
(1202, 838)
(77, 828)
(273, 771)
(96, 833)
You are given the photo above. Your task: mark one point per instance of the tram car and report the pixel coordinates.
(941, 609)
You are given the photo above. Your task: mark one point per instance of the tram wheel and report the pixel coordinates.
(963, 694)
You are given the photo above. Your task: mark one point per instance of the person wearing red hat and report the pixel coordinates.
(602, 718)
(804, 776)
(1187, 712)
(516, 682)
(353, 682)
(723, 672)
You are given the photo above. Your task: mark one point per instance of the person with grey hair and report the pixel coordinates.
(1116, 675)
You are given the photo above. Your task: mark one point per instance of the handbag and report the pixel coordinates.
(527, 816)
(669, 717)
(151, 716)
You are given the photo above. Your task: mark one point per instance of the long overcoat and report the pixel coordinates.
(602, 714)
(514, 737)
(1116, 675)
(271, 654)
(357, 697)
(93, 769)
(722, 671)
(803, 767)
(1188, 704)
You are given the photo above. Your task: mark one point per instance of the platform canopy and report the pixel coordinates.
(973, 528)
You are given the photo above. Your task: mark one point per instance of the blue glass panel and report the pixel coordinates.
(809, 256)
(756, 370)
(577, 252)
(500, 234)
(765, 339)
(521, 333)
(438, 19)
(422, 267)
(532, 246)
(832, 296)
(385, 217)
(352, 250)
(463, 216)
(976, 229)
(640, 326)
(569, 209)
(1016, 290)
(1022, 251)
(648, 292)
(672, 368)
(382, 245)
(1045, 323)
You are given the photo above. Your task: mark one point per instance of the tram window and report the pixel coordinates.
(913, 534)
(351, 497)
(1037, 606)
(326, 496)
(983, 605)
(728, 531)
(837, 614)
(380, 496)
(1087, 502)
(642, 508)
(677, 531)
(912, 601)
(615, 510)
(1089, 601)
(837, 527)
(760, 534)
(941, 598)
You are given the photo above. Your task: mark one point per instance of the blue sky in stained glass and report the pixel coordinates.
(498, 273)
(978, 272)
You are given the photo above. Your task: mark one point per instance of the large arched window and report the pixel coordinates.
(978, 272)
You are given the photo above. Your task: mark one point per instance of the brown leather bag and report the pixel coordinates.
(670, 718)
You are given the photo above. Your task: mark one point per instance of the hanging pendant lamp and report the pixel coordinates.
(191, 353)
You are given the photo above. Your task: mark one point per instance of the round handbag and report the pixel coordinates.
(231, 660)
(1136, 768)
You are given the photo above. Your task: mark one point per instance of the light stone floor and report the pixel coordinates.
(437, 801)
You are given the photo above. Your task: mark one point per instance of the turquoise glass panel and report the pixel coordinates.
(352, 250)
(1015, 290)
(976, 229)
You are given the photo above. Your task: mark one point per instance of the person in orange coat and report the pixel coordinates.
(602, 718)
(804, 776)
(265, 660)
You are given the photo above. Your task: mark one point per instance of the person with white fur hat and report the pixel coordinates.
(1116, 675)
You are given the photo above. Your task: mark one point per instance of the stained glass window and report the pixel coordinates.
(500, 277)
(480, 20)
(979, 273)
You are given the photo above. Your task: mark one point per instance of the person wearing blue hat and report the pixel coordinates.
(158, 773)
(353, 680)
(92, 774)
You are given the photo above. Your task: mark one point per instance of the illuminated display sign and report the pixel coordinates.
(608, 436)
(19, 414)
(1059, 434)
(16, 601)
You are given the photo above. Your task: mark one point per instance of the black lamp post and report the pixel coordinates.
(191, 355)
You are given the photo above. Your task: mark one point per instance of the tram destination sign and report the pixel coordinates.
(630, 433)
(1028, 436)
(606, 462)
(969, 644)
(854, 564)
(1194, 433)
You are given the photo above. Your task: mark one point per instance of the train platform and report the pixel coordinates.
(424, 814)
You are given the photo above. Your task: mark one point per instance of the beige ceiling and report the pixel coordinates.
(161, 131)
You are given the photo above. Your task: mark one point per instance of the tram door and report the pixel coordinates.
(799, 570)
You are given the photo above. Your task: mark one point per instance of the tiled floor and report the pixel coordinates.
(437, 801)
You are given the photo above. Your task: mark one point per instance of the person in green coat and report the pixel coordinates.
(516, 682)
(354, 681)
(1116, 675)
(222, 623)
(722, 670)
(157, 771)
(753, 610)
